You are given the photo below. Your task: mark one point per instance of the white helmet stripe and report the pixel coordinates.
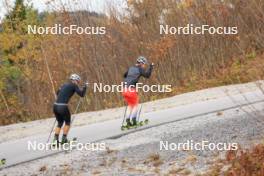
(75, 77)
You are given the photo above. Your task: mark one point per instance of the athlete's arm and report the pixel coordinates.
(146, 73)
(82, 92)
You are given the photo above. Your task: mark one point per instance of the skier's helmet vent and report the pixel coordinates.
(75, 77)
(142, 60)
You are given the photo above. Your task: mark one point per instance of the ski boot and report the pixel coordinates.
(64, 141)
(55, 143)
(134, 122)
(127, 126)
(128, 123)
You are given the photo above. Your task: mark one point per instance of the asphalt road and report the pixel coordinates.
(17, 152)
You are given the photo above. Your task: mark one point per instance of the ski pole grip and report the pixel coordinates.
(86, 84)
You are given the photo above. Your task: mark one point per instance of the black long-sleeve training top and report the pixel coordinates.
(134, 73)
(66, 92)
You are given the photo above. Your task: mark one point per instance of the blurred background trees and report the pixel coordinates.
(33, 66)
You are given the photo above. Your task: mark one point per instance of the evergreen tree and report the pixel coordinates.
(17, 14)
(14, 56)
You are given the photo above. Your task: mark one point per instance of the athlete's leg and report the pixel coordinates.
(59, 118)
(66, 128)
(134, 103)
(126, 95)
(134, 112)
(134, 115)
(129, 110)
(57, 132)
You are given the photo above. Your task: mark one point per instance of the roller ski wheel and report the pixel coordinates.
(126, 127)
(123, 128)
(139, 124)
(2, 162)
(55, 143)
(129, 127)
(69, 141)
(142, 123)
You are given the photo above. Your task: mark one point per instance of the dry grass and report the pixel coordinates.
(96, 172)
(190, 159)
(178, 171)
(154, 159)
(43, 168)
(240, 163)
(219, 113)
(110, 151)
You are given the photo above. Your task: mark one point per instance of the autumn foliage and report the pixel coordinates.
(34, 66)
(249, 162)
(243, 162)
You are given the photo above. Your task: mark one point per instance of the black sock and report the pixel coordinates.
(64, 136)
(56, 137)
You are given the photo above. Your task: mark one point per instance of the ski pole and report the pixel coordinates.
(139, 112)
(51, 130)
(76, 110)
(79, 102)
(124, 116)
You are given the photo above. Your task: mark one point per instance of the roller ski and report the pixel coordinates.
(57, 144)
(134, 124)
(66, 141)
(2, 162)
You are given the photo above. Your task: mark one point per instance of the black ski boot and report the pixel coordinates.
(64, 140)
(55, 141)
(134, 121)
(128, 122)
